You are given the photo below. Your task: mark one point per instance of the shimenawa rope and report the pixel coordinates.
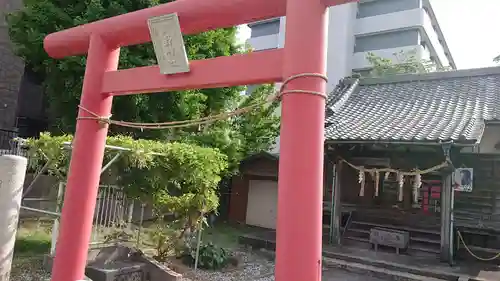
(404, 173)
(472, 253)
(208, 119)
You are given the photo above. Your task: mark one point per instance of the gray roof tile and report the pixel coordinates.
(415, 108)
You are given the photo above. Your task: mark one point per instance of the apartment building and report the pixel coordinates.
(382, 27)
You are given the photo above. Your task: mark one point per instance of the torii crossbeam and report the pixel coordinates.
(299, 224)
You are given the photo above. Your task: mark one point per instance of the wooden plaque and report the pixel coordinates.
(168, 44)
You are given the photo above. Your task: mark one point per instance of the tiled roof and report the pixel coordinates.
(260, 155)
(435, 107)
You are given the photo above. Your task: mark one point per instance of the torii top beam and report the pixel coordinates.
(132, 29)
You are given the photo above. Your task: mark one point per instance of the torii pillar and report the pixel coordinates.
(299, 227)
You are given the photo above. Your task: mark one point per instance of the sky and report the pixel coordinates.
(468, 27)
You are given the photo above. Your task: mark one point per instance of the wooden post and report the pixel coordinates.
(336, 215)
(447, 219)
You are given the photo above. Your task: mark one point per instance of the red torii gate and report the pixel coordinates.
(299, 222)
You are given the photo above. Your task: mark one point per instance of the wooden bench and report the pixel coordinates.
(389, 238)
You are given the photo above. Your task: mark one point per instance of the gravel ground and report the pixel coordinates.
(255, 266)
(260, 267)
(28, 269)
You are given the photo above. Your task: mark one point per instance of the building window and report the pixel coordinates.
(388, 40)
(376, 8)
(265, 28)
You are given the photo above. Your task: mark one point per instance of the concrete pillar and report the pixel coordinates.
(12, 173)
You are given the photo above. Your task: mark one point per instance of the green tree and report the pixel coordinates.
(402, 62)
(63, 79)
(245, 134)
(171, 177)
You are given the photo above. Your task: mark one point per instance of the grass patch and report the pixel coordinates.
(223, 235)
(32, 242)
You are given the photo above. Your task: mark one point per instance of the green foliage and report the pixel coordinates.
(164, 241)
(210, 257)
(174, 177)
(63, 80)
(49, 149)
(32, 241)
(403, 62)
(258, 129)
(245, 134)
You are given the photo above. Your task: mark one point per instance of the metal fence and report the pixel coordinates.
(113, 214)
(114, 211)
(8, 143)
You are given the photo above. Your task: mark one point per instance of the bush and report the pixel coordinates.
(210, 257)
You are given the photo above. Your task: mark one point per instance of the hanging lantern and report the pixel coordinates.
(361, 180)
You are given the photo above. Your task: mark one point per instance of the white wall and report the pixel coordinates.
(490, 139)
(341, 27)
(262, 203)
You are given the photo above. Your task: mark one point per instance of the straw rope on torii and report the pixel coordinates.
(208, 119)
(400, 175)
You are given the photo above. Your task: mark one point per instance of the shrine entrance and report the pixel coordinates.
(404, 188)
(301, 66)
